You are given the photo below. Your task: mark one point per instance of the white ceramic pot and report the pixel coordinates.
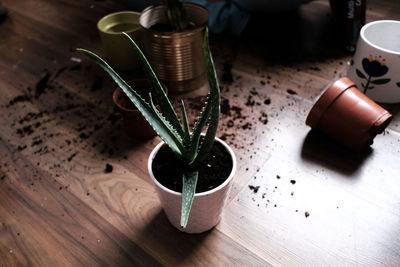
(207, 206)
(376, 64)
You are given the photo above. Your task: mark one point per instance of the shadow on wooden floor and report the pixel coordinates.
(322, 150)
(162, 238)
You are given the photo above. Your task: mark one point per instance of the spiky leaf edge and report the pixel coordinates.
(162, 100)
(167, 133)
(186, 140)
(189, 182)
(214, 100)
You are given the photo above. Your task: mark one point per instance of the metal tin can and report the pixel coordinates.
(176, 57)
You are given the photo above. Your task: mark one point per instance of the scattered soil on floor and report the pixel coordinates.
(18, 99)
(263, 118)
(254, 188)
(250, 102)
(225, 107)
(108, 169)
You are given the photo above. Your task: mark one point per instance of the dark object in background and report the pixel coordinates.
(3, 11)
(348, 116)
(349, 16)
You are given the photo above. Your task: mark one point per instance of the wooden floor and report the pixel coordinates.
(316, 203)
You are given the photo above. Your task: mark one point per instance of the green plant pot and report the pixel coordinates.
(118, 50)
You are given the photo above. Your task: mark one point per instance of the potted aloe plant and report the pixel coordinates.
(172, 41)
(192, 171)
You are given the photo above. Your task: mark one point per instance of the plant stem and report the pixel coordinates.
(366, 86)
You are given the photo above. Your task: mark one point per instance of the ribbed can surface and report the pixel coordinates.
(176, 57)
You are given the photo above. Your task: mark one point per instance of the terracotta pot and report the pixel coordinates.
(348, 116)
(207, 206)
(135, 124)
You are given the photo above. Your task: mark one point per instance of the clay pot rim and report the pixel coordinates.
(327, 99)
(380, 124)
(141, 82)
(201, 194)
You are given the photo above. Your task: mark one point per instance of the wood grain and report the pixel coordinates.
(316, 203)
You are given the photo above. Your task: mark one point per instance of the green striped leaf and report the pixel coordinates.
(214, 102)
(162, 100)
(145, 109)
(186, 140)
(177, 15)
(188, 191)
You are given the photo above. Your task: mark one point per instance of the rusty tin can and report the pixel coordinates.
(176, 57)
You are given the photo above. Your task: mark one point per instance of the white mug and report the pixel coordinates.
(375, 67)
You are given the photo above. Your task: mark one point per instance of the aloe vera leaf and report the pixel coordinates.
(198, 126)
(162, 100)
(214, 99)
(167, 124)
(188, 191)
(204, 114)
(172, 140)
(177, 15)
(186, 139)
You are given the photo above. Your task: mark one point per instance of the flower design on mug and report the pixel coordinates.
(374, 67)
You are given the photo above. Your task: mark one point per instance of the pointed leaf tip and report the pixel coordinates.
(188, 191)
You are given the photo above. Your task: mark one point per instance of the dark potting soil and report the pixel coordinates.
(165, 27)
(161, 27)
(213, 171)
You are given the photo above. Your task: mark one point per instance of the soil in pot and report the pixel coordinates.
(165, 27)
(213, 171)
